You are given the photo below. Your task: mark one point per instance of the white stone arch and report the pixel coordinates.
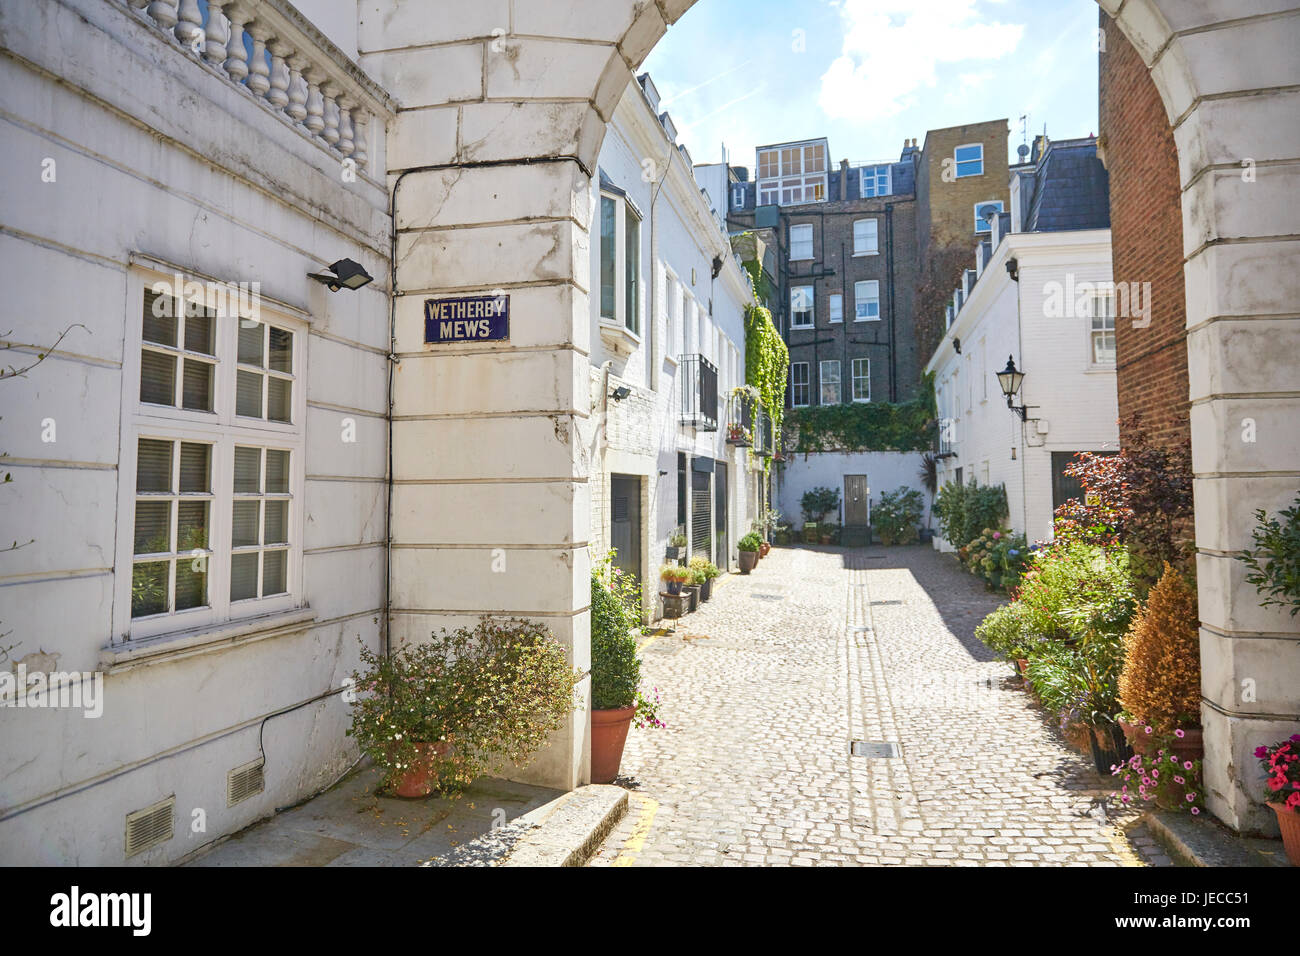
(503, 106)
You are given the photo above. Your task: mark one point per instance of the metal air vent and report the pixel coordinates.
(244, 782)
(150, 827)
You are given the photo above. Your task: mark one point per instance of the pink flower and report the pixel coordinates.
(1191, 797)
(1178, 779)
(1179, 734)
(1261, 752)
(1196, 811)
(1148, 730)
(1187, 764)
(1292, 801)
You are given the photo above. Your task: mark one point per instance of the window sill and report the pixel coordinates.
(207, 639)
(865, 255)
(875, 319)
(618, 337)
(802, 328)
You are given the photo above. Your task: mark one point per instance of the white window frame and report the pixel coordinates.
(791, 181)
(811, 310)
(986, 228)
(864, 377)
(804, 242)
(836, 307)
(859, 297)
(957, 163)
(623, 208)
(872, 173)
(870, 245)
(222, 429)
(822, 367)
(795, 385)
(1107, 315)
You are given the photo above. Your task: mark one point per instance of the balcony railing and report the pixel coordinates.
(699, 393)
(281, 60)
(740, 418)
(763, 444)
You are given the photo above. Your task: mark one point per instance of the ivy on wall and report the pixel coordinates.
(766, 362)
(866, 426)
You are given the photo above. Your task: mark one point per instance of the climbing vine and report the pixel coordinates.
(766, 362)
(866, 426)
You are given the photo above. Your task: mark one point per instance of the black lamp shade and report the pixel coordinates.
(1010, 378)
(351, 275)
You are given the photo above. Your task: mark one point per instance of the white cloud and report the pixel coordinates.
(893, 48)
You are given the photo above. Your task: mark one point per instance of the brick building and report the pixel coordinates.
(1137, 146)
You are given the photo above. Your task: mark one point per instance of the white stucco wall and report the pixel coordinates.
(885, 471)
(1073, 400)
(155, 154)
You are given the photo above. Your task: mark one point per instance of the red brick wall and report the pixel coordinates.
(1146, 240)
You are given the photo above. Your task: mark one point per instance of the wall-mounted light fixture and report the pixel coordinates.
(620, 393)
(1010, 379)
(717, 266)
(347, 275)
(956, 345)
(1013, 269)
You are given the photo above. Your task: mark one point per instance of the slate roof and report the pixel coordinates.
(1068, 189)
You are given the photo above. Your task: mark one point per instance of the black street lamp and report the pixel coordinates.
(347, 275)
(1010, 379)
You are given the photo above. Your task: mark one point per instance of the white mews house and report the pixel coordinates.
(667, 346)
(1041, 296)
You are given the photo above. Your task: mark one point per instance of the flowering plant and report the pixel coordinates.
(647, 710)
(1172, 781)
(499, 690)
(1282, 764)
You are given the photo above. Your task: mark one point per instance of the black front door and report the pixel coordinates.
(625, 523)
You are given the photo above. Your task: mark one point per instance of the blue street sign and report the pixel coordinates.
(474, 318)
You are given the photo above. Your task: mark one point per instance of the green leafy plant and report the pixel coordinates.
(767, 360)
(615, 666)
(677, 539)
(704, 568)
(998, 555)
(817, 501)
(1006, 632)
(866, 426)
(897, 516)
(965, 511)
(498, 690)
(1274, 562)
(750, 542)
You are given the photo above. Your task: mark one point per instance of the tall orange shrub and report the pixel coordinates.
(1160, 684)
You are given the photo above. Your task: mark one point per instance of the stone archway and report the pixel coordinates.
(503, 106)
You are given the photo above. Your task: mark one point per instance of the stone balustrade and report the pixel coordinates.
(280, 60)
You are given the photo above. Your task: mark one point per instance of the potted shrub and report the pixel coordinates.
(810, 532)
(1282, 765)
(673, 576)
(1171, 780)
(434, 716)
(616, 697)
(676, 545)
(748, 547)
(705, 571)
(1160, 684)
(895, 519)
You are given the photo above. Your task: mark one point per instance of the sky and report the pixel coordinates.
(868, 74)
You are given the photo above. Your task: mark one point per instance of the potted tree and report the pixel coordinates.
(748, 547)
(434, 716)
(1282, 765)
(616, 697)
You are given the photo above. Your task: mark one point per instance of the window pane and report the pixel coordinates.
(250, 342)
(192, 527)
(191, 583)
(200, 331)
(153, 527)
(157, 378)
(196, 389)
(608, 217)
(278, 394)
(274, 564)
(195, 467)
(248, 470)
(277, 522)
(277, 472)
(243, 576)
(281, 350)
(632, 269)
(248, 394)
(149, 588)
(153, 470)
(244, 530)
(159, 318)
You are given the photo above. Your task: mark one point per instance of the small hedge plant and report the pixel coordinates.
(750, 542)
(1160, 685)
(896, 518)
(964, 511)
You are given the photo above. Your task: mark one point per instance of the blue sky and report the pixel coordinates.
(867, 74)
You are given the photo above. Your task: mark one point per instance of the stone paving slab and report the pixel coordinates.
(1204, 842)
(766, 686)
(351, 825)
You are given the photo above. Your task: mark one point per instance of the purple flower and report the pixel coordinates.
(1261, 752)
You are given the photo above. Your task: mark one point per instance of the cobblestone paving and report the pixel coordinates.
(765, 686)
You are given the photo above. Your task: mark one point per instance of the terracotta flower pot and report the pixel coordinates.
(419, 780)
(747, 561)
(1289, 821)
(763, 548)
(608, 735)
(1190, 746)
(1136, 736)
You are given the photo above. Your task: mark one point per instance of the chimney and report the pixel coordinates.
(844, 179)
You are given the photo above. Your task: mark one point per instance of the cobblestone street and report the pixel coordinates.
(767, 684)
